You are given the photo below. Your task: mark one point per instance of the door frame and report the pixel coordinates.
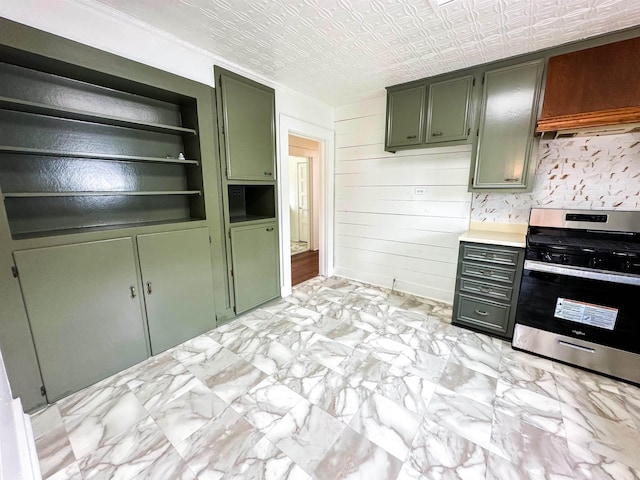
(325, 137)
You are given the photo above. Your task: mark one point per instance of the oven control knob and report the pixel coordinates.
(546, 256)
(565, 259)
(594, 262)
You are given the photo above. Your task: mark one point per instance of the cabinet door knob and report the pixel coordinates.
(270, 229)
(132, 289)
(481, 313)
(411, 137)
(436, 134)
(149, 288)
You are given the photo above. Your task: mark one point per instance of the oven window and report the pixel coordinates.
(615, 324)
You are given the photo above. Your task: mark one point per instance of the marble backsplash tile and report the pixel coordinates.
(600, 172)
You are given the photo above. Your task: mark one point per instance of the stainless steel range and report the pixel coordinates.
(580, 294)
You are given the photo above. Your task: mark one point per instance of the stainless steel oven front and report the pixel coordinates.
(579, 298)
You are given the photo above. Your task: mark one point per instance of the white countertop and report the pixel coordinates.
(508, 235)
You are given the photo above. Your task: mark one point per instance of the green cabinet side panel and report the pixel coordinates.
(448, 111)
(86, 324)
(248, 111)
(178, 286)
(507, 122)
(254, 251)
(405, 117)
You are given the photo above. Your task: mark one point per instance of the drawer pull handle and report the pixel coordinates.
(481, 313)
(488, 255)
(267, 173)
(486, 272)
(411, 137)
(577, 347)
(436, 134)
(485, 289)
(270, 229)
(511, 179)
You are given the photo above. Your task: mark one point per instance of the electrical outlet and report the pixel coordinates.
(420, 190)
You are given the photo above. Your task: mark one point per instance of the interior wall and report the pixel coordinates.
(397, 216)
(599, 172)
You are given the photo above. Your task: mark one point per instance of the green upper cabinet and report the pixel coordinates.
(405, 117)
(254, 251)
(246, 127)
(431, 114)
(178, 286)
(448, 110)
(507, 123)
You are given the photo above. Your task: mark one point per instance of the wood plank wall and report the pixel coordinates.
(383, 228)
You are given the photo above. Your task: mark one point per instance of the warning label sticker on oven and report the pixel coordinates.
(586, 313)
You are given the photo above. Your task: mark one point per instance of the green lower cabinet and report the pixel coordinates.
(507, 123)
(255, 263)
(178, 286)
(84, 311)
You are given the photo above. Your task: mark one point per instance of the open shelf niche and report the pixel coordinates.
(78, 156)
(251, 202)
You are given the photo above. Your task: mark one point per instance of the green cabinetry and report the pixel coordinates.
(405, 117)
(246, 127)
(487, 288)
(177, 285)
(254, 250)
(424, 113)
(510, 100)
(84, 311)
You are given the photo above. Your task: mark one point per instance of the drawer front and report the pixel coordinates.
(483, 314)
(503, 257)
(496, 292)
(488, 272)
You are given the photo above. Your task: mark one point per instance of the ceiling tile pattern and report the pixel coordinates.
(340, 51)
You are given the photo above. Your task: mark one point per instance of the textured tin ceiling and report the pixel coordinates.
(339, 51)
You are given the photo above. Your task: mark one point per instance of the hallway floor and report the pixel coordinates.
(343, 380)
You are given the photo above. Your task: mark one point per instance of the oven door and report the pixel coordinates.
(590, 305)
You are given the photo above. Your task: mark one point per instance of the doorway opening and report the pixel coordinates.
(304, 203)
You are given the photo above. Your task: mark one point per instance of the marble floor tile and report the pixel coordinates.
(469, 383)
(410, 391)
(606, 437)
(186, 414)
(213, 449)
(537, 451)
(344, 380)
(339, 396)
(266, 403)
(593, 466)
(463, 416)
(305, 434)
(353, 456)
(91, 420)
(386, 424)
(265, 461)
(237, 379)
(440, 453)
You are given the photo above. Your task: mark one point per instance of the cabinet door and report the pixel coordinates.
(84, 312)
(405, 117)
(178, 285)
(448, 110)
(254, 253)
(507, 122)
(248, 117)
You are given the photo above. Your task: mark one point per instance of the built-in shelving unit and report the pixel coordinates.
(76, 156)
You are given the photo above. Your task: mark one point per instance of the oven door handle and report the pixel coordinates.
(582, 273)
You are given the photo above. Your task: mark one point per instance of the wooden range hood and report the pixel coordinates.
(593, 88)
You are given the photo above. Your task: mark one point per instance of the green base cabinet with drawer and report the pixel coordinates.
(255, 263)
(487, 288)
